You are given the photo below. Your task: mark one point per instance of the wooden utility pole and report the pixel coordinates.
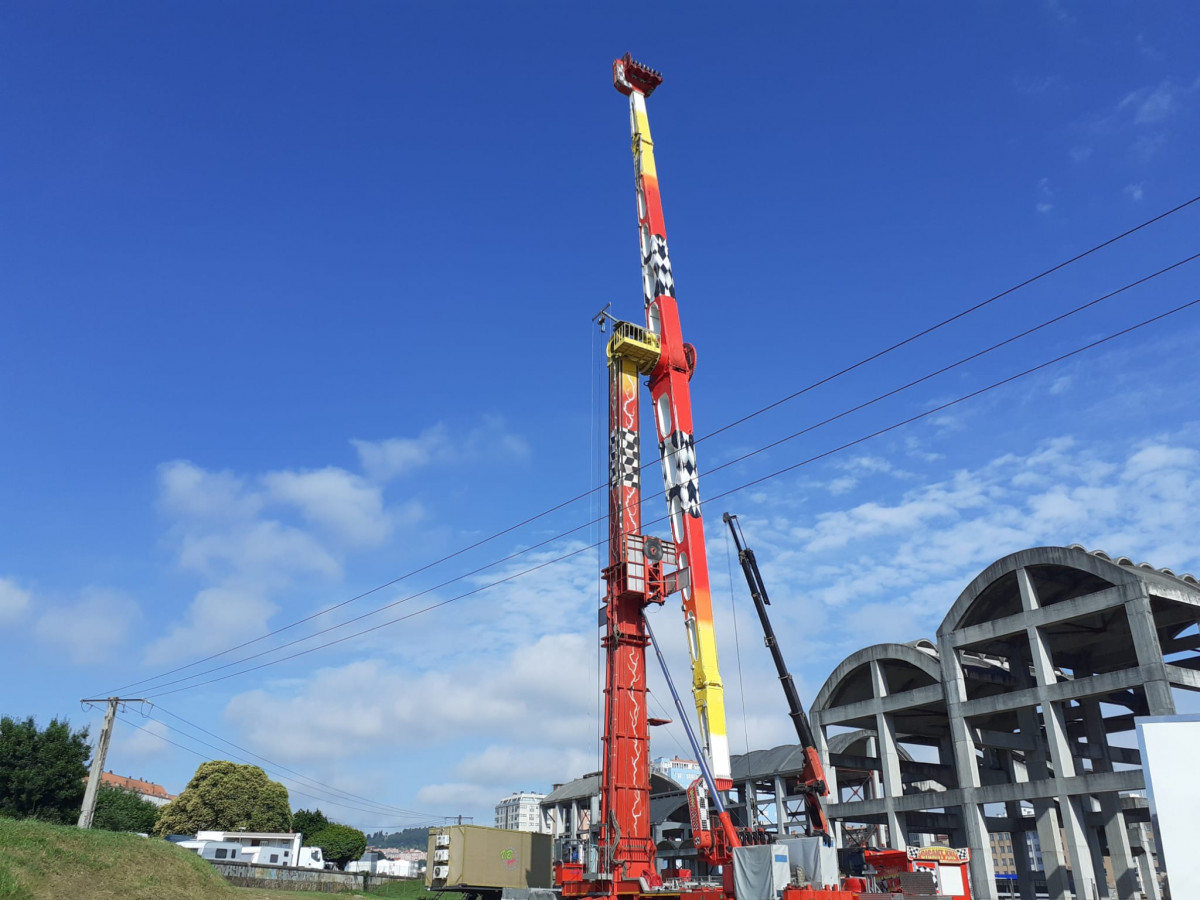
(93, 785)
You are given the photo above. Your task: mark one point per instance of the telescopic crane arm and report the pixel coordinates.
(812, 778)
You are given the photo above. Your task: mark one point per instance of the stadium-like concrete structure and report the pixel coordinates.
(1019, 719)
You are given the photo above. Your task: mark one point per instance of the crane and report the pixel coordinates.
(643, 570)
(812, 778)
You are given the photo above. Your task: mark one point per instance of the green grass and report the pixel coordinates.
(60, 862)
(409, 890)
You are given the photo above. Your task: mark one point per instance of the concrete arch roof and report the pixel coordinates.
(1097, 564)
(905, 653)
(843, 741)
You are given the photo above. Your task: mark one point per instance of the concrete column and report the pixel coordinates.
(1077, 842)
(889, 760)
(822, 743)
(1115, 831)
(1020, 851)
(982, 869)
(982, 866)
(1149, 655)
(1037, 760)
(1145, 863)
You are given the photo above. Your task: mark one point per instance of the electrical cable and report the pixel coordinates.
(853, 443)
(737, 641)
(328, 795)
(723, 428)
(386, 807)
(954, 318)
(954, 365)
(212, 759)
(368, 593)
(648, 498)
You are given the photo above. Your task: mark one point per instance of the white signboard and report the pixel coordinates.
(1170, 745)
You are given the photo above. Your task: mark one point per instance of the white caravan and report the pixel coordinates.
(259, 848)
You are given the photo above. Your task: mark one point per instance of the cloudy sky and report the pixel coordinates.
(300, 397)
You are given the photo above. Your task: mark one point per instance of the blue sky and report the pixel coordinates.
(295, 299)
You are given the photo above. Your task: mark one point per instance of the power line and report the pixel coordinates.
(954, 365)
(291, 790)
(954, 318)
(524, 551)
(962, 399)
(373, 590)
(924, 332)
(387, 807)
(808, 461)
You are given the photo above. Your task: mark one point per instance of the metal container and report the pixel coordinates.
(463, 857)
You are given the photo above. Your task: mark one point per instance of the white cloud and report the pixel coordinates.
(503, 764)
(453, 795)
(14, 600)
(391, 458)
(1151, 105)
(890, 569)
(90, 630)
(147, 741)
(271, 551)
(1135, 191)
(842, 485)
(188, 491)
(217, 618)
(343, 503)
(541, 694)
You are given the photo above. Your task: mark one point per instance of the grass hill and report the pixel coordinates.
(57, 862)
(60, 862)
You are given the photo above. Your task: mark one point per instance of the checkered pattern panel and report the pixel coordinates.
(656, 270)
(623, 459)
(678, 453)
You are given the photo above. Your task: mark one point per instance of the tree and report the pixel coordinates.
(225, 796)
(121, 810)
(307, 822)
(339, 843)
(408, 839)
(41, 772)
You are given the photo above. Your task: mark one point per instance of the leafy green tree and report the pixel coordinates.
(225, 796)
(308, 822)
(339, 843)
(408, 839)
(121, 810)
(41, 772)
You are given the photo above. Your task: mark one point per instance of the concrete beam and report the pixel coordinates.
(1047, 788)
(910, 770)
(1184, 678)
(868, 709)
(1090, 686)
(1048, 615)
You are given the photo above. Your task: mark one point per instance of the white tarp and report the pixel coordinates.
(812, 862)
(1169, 747)
(760, 871)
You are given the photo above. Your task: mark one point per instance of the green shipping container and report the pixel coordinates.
(470, 856)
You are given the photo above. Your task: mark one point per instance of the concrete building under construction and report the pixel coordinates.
(1018, 721)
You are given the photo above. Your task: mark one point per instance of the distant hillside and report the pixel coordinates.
(408, 839)
(57, 862)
